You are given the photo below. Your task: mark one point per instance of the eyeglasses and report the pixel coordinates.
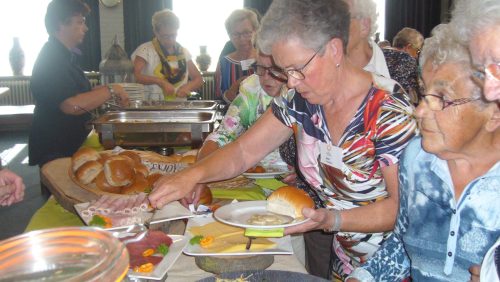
(439, 103)
(491, 71)
(295, 73)
(262, 70)
(244, 34)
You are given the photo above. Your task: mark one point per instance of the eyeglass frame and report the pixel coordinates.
(447, 103)
(245, 34)
(284, 74)
(480, 73)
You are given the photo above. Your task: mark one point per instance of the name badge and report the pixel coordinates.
(246, 64)
(331, 155)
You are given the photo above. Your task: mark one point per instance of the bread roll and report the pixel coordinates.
(189, 159)
(131, 154)
(289, 201)
(118, 172)
(205, 196)
(142, 169)
(88, 172)
(138, 186)
(129, 160)
(82, 156)
(176, 157)
(152, 178)
(103, 185)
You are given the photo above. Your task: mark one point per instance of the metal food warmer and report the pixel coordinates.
(155, 128)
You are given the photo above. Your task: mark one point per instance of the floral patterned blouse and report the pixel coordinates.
(251, 102)
(374, 138)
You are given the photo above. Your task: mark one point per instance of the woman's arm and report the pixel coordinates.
(87, 101)
(195, 81)
(233, 159)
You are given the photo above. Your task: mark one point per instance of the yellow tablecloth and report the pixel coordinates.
(52, 215)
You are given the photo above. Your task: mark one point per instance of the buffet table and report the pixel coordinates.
(55, 175)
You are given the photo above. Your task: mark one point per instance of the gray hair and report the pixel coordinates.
(313, 22)
(165, 18)
(240, 15)
(469, 17)
(443, 47)
(366, 9)
(408, 36)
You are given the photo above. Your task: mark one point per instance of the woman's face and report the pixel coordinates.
(74, 31)
(166, 36)
(271, 85)
(317, 85)
(455, 127)
(485, 50)
(242, 35)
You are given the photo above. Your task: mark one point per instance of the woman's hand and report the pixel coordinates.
(168, 89)
(11, 188)
(172, 187)
(194, 197)
(475, 271)
(122, 95)
(320, 219)
(183, 91)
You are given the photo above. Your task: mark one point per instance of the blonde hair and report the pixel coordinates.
(165, 18)
(240, 15)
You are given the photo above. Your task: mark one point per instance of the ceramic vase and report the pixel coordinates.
(203, 60)
(16, 58)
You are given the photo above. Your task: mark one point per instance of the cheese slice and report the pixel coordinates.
(229, 239)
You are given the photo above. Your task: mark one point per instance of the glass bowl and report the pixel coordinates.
(63, 254)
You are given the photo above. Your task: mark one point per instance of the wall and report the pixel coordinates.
(111, 23)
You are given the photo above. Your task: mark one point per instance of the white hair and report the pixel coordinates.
(469, 17)
(366, 9)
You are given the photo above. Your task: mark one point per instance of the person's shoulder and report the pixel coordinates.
(414, 154)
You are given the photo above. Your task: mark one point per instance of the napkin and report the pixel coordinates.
(252, 193)
(269, 183)
(267, 233)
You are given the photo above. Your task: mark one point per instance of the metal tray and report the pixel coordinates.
(154, 128)
(172, 105)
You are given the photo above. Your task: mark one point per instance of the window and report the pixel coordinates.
(381, 18)
(202, 23)
(28, 24)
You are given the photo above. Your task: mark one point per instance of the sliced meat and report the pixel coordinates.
(152, 240)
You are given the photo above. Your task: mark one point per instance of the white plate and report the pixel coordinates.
(271, 172)
(171, 211)
(283, 244)
(174, 251)
(237, 214)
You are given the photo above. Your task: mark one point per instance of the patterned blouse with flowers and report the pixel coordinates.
(375, 137)
(251, 102)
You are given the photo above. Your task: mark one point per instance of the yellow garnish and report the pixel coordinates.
(148, 252)
(206, 241)
(147, 267)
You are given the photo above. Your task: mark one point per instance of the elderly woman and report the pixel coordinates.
(163, 65)
(350, 126)
(241, 26)
(449, 178)
(478, 24)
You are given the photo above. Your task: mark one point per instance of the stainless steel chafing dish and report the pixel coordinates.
(204, 105)
(155, 128)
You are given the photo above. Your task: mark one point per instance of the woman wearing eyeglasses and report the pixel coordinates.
(241, 26)
(449, 177)
(163, 65)
(350, 126)
(477, 23)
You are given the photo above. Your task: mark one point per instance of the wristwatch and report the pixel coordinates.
(336, 223)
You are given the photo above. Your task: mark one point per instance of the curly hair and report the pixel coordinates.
(313, 22)
(469, 17)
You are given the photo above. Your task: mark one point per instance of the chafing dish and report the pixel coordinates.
(155, 128)
(204, 105)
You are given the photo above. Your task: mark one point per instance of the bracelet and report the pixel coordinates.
(336, 223)
(112, 91)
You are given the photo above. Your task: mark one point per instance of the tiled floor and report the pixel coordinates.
(14, 150)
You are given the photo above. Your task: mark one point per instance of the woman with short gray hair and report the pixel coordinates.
(449, 177)
(350, 126)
